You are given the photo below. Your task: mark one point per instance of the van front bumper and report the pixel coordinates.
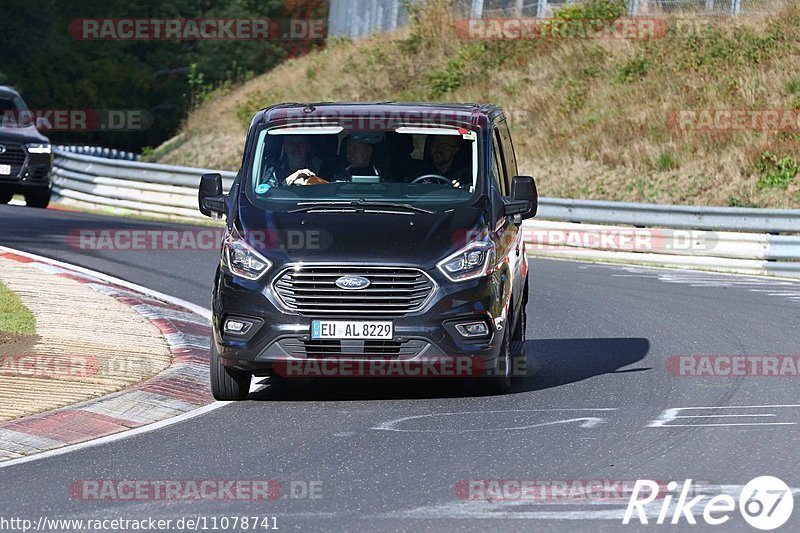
(278, 340)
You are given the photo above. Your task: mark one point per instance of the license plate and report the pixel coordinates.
(5, 170)
(351, 329)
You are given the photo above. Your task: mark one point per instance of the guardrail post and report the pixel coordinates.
(634, 6)
(736, 7)
(541, 8)
(477, 9)
(393, 14)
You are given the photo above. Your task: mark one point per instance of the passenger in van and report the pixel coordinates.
(296, 165)
(360, 160)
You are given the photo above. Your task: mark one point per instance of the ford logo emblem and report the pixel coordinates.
(2, 149)
(352, 283)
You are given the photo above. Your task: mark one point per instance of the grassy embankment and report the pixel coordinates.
(590, 117)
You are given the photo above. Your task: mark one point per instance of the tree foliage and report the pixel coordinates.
(54, 70)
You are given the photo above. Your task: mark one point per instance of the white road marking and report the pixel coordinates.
(586, 422)
(668, 415)
(778, 287)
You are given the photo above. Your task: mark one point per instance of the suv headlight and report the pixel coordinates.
(38, 148)
(241, 259)
(472, 261)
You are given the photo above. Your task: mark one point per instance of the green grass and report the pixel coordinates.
(15, 317)
(775, 172)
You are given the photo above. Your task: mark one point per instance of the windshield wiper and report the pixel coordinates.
(359, 206)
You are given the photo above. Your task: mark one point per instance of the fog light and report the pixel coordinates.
(237, 327)
(473, 329)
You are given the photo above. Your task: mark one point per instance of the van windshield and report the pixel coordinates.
(433, 168)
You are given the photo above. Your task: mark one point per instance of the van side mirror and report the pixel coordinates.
(210, 198)
(524, 198)
(43, 124)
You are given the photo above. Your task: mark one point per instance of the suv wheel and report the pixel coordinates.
(227, 383)
(40, 198)
(5, 197)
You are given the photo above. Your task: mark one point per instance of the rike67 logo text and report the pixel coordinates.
(765, 503)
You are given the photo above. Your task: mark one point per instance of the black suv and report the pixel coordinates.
(371, 240)
(25, 154)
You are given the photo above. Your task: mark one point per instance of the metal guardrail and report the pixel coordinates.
(672, 216)
(719, 238)
(359, 18)
(98, 151)
(144, 188)
(726, 251)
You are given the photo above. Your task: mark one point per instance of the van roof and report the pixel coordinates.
(455, 114)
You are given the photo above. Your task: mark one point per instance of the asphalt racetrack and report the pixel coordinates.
(410, 456)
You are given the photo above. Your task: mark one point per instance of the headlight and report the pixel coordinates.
(470, 262)
(38, 148)
(243, 260)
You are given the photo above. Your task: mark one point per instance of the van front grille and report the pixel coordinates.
(312, 290)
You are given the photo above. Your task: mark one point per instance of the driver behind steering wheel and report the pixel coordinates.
(444, 149)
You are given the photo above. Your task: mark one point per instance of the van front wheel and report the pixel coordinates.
(499, 381)
(227, 383)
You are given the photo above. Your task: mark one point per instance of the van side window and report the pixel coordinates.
(496, 173)
(508, 149)
(502, 175)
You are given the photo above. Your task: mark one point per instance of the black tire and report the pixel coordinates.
(520, 357)
(39, 199)
(226, 383)
(499, 381)
(519, 328)
(5, 197)
(518, 337)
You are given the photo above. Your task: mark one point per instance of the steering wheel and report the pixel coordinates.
(439, 177)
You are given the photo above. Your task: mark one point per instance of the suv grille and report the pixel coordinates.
(393, 290)
(325, 349)
(13, 155)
